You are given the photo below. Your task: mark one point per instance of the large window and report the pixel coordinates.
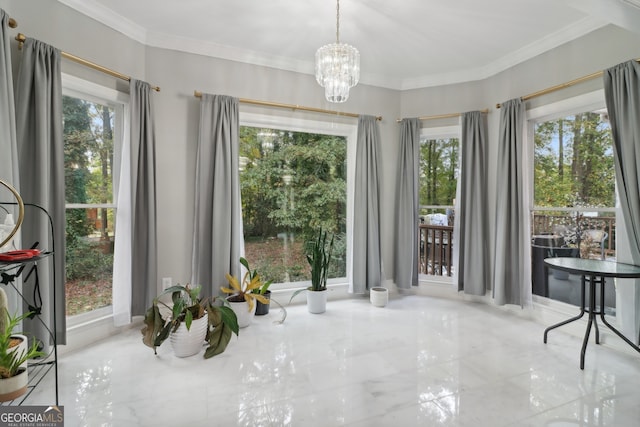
(293, 183)
(438, 181)
(92, 141)
(574, 182)
(574, 193)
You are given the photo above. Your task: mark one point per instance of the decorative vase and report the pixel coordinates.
(261, 308)
(14, 387)
(379, 296)
(241, 309)
(317, 301)
(185, 342)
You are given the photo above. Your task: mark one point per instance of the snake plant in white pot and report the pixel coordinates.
(319, 257)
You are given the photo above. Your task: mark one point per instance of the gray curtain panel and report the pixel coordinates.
(8, 146)
(406, 227)
(511, 275)
(144, 265)
(217, 234)
(8, 141)
(473, 259)
(41, 166)
(622, 95)
(367, 262)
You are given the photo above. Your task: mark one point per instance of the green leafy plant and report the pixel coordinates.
(319, 258)
(10, 360)
(187, 306)
(245, 291)
(264, 287)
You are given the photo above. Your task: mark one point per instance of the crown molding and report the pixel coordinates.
(96, 11)
(551, 41)
(106, 16)
(623, 13)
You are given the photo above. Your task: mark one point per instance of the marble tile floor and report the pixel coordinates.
(420, 361)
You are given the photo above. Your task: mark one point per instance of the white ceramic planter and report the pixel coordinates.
(379, 296)
(16, 386)
(185, 342)
(241, 309)
(316, 301)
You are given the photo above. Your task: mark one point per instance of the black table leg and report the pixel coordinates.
(586, 340)
(618, 333)
(573, 319)
(592, 304)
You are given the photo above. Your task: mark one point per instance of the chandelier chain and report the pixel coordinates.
(338, 21)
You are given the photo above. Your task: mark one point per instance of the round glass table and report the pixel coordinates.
(593, 272)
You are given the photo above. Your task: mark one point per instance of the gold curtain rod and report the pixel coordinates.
(21, 38)
(198, 94)
(562, 86)
(443, 116)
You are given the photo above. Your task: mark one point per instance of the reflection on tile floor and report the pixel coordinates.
(420, 361)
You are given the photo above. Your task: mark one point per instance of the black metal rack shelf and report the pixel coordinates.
(38, 369)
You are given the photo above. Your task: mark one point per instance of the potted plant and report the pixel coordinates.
(14, 353)
(318, 256)
(261, 307)
(241, 296)
(189, 321)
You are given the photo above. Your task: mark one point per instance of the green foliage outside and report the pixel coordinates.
(88, 157)
(438, 171)
(574, 168)
(574, 162)
(292, 184)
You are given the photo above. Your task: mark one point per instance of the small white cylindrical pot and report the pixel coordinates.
(11, 388)
(316, 301)
(379, 296)
(185, 342)
(241, 309)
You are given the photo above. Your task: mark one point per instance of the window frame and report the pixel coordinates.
(442, 132)
(577, 104)
(346, 130)
(119, 101)
(590, 101)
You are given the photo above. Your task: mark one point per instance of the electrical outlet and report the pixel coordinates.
(166, 283)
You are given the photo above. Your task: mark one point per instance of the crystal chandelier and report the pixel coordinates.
(337, 66)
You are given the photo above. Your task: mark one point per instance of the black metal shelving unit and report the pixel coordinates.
(28, 270)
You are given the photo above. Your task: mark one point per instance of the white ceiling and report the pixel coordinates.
(404, 44)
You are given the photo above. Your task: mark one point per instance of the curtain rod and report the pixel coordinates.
(443, 116)
(198, 94)
(21, 38)
(13, 23)
(562, 85)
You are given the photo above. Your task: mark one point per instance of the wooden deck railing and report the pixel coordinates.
(435, 250)
(545, 224)
(435, 241)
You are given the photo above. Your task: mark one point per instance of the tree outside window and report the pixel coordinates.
(88, 158)
(574, 178)
(292, 184)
